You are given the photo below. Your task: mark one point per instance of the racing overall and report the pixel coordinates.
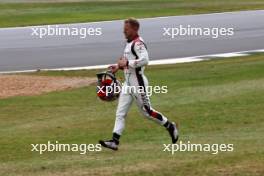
(137, 55)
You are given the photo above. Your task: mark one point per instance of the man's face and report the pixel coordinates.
(129, 31)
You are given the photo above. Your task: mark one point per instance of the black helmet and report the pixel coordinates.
(108, 87)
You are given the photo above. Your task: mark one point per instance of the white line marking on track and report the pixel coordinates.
(153, 62)
(229, 55)
(147, 18)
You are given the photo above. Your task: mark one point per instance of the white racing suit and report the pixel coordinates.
(137, 55)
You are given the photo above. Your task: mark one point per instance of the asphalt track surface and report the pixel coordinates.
(19, 50)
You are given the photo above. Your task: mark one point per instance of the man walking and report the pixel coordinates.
(132, 63)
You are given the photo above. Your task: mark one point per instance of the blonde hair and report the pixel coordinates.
(133, 22)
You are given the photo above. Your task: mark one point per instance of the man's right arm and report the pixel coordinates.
(113, 68)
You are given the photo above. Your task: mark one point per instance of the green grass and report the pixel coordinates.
(23, 14)
(218, 101)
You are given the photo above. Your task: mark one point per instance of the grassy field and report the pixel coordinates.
(23, 14)
(218, 101)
